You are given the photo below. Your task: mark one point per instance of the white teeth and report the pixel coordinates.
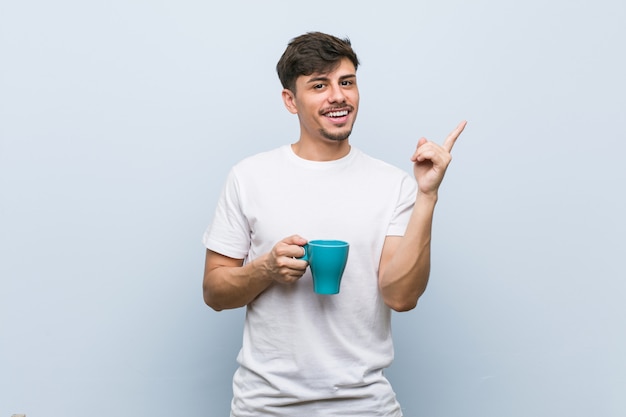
(337, 113)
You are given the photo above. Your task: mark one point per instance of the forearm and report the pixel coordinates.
(227, 285)
(403, 277)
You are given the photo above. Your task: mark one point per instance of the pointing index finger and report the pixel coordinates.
(453, 136)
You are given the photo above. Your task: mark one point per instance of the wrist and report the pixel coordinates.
(427, 197)
(260, 270)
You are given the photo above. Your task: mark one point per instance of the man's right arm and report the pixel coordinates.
(228, 283)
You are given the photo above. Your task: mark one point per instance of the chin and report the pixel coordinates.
(337, 137)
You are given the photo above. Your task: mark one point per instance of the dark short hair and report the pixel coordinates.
(313, 52)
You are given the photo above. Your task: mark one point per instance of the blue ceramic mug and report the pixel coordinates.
(327, 259)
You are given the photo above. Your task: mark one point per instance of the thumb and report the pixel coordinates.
(420, 142)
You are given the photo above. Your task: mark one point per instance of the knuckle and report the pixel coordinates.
(281, 262)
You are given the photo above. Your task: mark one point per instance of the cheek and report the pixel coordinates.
(354, 98)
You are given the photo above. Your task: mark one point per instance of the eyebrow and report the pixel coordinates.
(324, 78)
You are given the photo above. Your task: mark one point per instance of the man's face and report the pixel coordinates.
(326, 104)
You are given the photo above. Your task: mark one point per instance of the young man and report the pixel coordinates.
(306, 354)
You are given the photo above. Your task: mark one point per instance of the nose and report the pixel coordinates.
(336, 94)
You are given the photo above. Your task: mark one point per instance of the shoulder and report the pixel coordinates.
(385, 177)
(377, 166)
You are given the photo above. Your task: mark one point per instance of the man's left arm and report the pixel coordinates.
(405, 260)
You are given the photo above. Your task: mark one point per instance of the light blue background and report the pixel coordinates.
(120, 119)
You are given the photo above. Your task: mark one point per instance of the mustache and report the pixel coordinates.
(344, 106)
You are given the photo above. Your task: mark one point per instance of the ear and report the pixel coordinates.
(289, 98)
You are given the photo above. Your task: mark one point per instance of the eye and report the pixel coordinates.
(346, 83)
(318, 86)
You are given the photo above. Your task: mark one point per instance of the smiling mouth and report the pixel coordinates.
(337, 112)
(341, 113)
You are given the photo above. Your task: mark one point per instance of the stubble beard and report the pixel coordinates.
(337, 137)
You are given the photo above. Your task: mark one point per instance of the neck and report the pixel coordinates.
(326, 150)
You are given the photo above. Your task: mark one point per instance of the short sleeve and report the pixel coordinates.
(229, 232)
(404, 207)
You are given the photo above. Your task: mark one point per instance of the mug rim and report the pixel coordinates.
(328, 243)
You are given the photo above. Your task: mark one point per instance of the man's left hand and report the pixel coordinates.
(431, 161)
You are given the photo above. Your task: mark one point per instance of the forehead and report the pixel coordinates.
(345, 68)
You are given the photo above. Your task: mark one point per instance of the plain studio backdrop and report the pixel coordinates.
(119, 121)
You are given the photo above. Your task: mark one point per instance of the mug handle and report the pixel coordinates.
(305, 257)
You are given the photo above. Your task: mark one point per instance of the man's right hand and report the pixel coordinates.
(228, 283)
(281, 263)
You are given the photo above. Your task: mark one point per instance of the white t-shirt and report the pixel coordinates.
(306, 354)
